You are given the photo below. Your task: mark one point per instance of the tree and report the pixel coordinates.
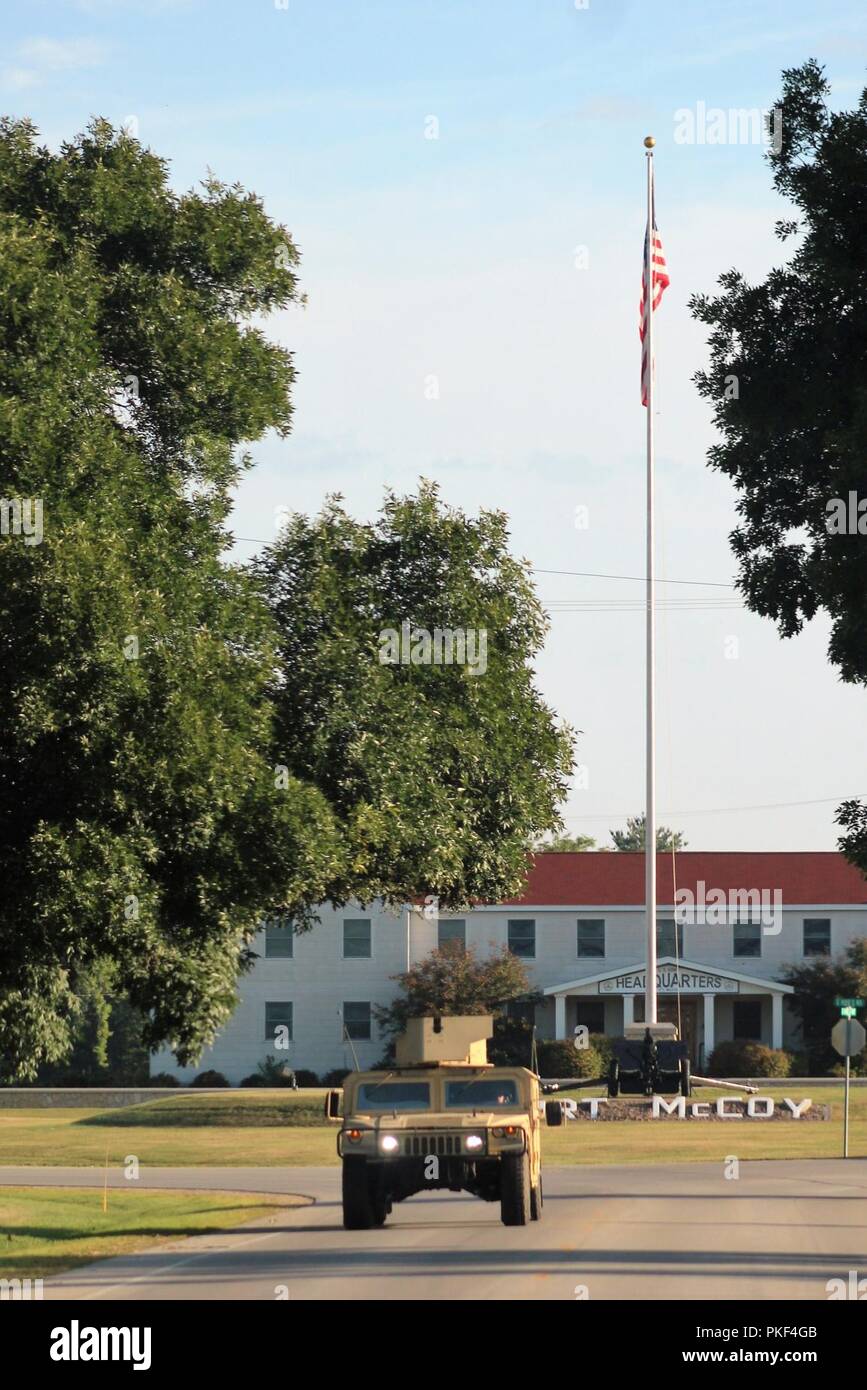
(436, 756)
(454, 980)
(141, 826)
(817, 983)
(159, 794)
(786, 381)
(632, 838)
(564, 844)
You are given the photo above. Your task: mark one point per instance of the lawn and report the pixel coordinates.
(271, 1129)
(48, 1230)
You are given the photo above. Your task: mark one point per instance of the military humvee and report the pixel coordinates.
(442, 1117)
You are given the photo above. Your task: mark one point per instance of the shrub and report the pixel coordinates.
(163, 1078)
(254, 1079)
(306, 1078)
(209, 1078)
(562, 1059)
(749, 1059)
(605, 1047)
(275, 1072)
(336, 1077)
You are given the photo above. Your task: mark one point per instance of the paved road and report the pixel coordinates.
(675, 1231)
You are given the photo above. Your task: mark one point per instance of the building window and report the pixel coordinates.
(669, 937)
(454, 930)
(522, 937)
(591, 938)
(356, 938)
(278, 1016)
(521, 1010)
(747, 1020)
(356, 1021)
(590, 1013)
(279, 938)
(817, 936)
(747, 939)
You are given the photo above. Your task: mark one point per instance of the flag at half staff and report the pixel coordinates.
(659, 276)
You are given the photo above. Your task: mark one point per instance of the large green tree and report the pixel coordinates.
(140, 820)
(438, 758)
(176, 758)
(788, 384)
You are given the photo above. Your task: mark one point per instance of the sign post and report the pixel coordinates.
(847, 1038)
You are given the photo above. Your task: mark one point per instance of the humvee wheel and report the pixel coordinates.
(685, 1079)
(359, 1213)
(515, 1189)
(536, 1202)
(614, 1078)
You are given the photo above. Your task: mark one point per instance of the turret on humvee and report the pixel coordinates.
(442, 1117)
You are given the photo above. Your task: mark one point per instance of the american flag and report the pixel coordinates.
(661, 282)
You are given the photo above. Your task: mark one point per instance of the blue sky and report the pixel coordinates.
(503, 259)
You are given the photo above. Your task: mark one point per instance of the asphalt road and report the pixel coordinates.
(675, 1231)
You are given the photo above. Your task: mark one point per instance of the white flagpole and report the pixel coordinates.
(650, 753)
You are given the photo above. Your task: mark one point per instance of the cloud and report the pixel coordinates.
(37, 58)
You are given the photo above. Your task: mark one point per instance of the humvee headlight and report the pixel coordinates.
(474, 1141)
(388, 1143)
(354, 1136)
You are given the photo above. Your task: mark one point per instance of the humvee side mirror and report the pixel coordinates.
(553, 1112)
(332, 1105)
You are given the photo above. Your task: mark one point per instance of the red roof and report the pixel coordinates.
(613, 878)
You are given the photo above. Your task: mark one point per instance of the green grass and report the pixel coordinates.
(234, 1109)
(48, 1230)
(246, 1130)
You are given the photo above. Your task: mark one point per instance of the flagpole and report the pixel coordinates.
(650, 752)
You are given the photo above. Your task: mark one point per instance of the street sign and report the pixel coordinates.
(848, 1037)
(849, 1004)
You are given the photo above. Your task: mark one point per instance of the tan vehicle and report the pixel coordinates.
(443, 1117)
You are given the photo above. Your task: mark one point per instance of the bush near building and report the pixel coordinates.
(749, 1059)
(563, 1058)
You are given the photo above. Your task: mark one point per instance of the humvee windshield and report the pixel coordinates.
(394, 1095)
(480, 1095)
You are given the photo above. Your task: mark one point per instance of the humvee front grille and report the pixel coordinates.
(420, 1145)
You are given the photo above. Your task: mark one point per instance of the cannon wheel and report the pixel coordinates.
(614, 1077)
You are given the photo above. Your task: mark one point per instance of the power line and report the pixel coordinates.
(577, 574)
(717, 810)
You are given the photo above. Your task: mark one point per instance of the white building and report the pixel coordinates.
(579, 926)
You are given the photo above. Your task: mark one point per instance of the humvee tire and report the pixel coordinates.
(536, 1202)
(515, 1189)
(685, 1079)
(614, 1078)
(359, 1211)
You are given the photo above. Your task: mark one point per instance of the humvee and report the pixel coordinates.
(442, 1117)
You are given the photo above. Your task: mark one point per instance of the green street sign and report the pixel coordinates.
(844, 1004)
(848, 1013)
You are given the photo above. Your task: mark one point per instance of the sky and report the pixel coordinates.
(465, 181)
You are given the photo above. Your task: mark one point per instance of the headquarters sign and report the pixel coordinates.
(670, 980)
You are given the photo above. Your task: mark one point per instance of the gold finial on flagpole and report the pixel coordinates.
(649, 142)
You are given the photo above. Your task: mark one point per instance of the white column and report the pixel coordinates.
(709, 1035)
(776, 1020)
(559, 1015)
(628, 1010)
